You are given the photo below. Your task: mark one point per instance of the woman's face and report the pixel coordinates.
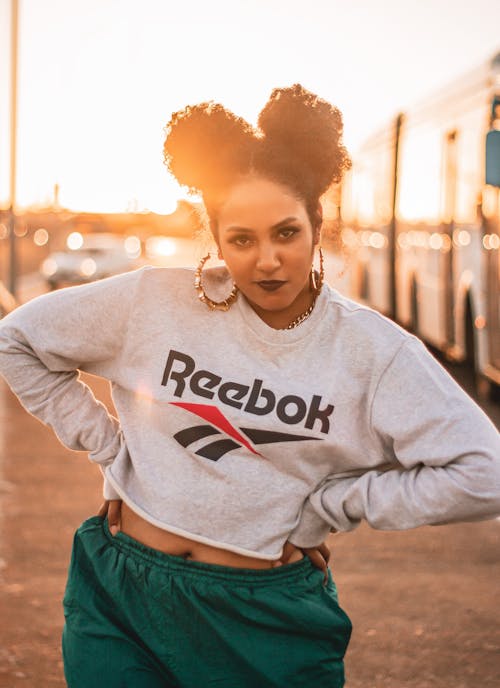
(267, 241)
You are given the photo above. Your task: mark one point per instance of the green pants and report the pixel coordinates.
(138, 618)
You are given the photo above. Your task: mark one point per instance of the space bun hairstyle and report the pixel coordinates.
(297, 143)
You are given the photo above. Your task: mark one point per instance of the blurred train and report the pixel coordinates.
(420, 212)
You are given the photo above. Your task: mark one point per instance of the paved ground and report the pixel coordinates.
(424, 603)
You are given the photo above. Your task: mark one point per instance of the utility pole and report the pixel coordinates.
(13, 146)
(393, 225)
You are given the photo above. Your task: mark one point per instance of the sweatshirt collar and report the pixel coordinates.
(281, 337)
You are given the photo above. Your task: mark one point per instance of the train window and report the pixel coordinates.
(469, 166)
(419, 185)
(493, 158)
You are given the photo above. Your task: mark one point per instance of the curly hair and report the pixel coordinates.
(297, 143)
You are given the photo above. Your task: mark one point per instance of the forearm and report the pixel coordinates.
(465, 490)
(63, 402)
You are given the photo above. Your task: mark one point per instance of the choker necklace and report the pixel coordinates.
(303, 316)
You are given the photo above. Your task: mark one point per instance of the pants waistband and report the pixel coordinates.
(288, 572)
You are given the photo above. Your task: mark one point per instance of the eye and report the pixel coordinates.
(287, 232)
(241, 240)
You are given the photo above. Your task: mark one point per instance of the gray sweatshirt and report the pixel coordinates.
(241, 436)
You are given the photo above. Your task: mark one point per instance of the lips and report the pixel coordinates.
(271, 285)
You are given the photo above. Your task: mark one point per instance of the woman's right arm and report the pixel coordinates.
(45, 342)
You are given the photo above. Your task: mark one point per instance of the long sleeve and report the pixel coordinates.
(44, 344)
(443, 454)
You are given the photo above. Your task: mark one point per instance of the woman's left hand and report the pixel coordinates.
(319, 556)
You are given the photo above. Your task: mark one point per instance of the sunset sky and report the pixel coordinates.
(98, 79)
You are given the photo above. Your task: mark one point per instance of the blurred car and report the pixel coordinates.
(89, 257)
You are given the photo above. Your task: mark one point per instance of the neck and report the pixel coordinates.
(280, 320)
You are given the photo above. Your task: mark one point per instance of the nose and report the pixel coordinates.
(268, 258)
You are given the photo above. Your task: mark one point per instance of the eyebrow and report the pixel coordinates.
(279, 224)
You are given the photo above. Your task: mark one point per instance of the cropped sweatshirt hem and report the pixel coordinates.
(187, 534)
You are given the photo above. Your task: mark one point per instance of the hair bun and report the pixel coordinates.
(204, 144)
(309, 128)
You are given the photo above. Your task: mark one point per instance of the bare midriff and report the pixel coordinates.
(170, 543)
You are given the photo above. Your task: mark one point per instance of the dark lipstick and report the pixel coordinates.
(271, 285)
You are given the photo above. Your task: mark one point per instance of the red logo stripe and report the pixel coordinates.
(215, 417)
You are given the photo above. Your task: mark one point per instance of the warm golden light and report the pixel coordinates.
(86, 146)
(133, 246)
(41, 237)
(74, 241)
(461, 237)
(49, 267)
(491, 242)
(419, 197)
(377, 240)
(20, 230)
(88, 267)
(435, 241)
(160, 246)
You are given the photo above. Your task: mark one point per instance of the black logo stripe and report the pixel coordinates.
(215, 450)
(219, 425)
(269, 436)
(197, 432)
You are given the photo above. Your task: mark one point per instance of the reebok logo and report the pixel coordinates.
(180, 371)
(219, 424)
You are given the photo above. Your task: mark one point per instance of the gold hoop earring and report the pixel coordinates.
(317, 282)
(213, 305)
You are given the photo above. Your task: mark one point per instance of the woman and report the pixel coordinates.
(257, 406)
